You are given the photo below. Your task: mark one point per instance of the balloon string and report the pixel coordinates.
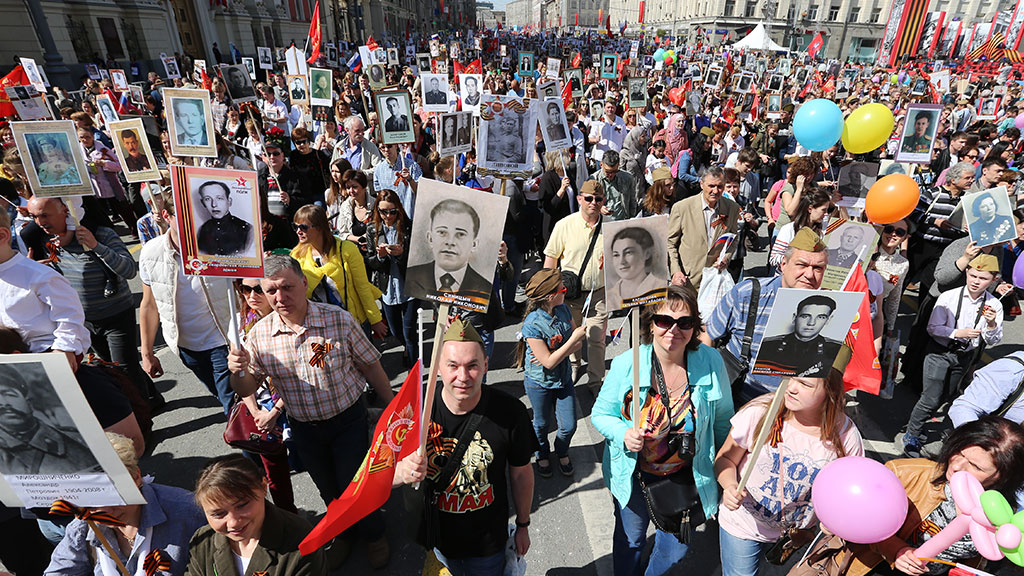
(939, 561)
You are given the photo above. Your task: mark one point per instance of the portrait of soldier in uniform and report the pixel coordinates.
(224, 234)
(920, 140)
(845, 255)
(804, 352)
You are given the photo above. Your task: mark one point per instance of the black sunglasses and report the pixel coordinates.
(247, 289)
(303, 227)
(666, 322)
(388, 211)
(589, 198)
(301, 142)
(888, 229)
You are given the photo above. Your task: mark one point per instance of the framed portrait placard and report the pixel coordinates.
(238, 82)
(634, 274)
(394, 112)
(118, 79)
(609, 66)
(637, 92)
(526, 64)
(455, 133)
(805, 331)
(454, 244)
(133, 150)
(849, 244)
(574, 76)
(68, 456)
(435, 92)
(988, 108)
(218, 219)
(137, 95)
(298, 90)
(28, 102)
(506, 135)
(250, 67)
(553, 68)
(107, 110)
(171, 67)
(266, 58)
(553, 126)
(189, 122)
(918, 139)
(855, 179)
(320, 82)
(53, 158)
(469, 92)
(989, 216)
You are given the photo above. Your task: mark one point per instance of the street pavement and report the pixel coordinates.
(572, 520)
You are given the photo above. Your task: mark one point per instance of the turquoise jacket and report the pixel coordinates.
(712, 401)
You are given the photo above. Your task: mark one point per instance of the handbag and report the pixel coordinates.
(242, 433)
(736, 368)
(673, 503)
(828, 556)
(571, 280)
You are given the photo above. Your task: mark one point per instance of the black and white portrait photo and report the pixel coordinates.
(506, 135)
(693, 71)
(988, 108)
(548, 89)
(609, 66)
(784, 66)
(805, 330)
(218, 221)
(855, 179)
(744, 83)
(849, 244)
(297, 89)
(634, 273)
(922, 122)
(238, 82)
(920, 87)
(887, 167)
(93, 71)
(455, 133)
(775, 82)
(637, 92)
(51, 444)
(574, 76)
(171, 67)
(989, 216)
(133, 150)
(435, 92)
(106, 107)
(713, 77)
(394, 109)
(377, 76)
(250, 67)
(332, 54)
(423, 62)
(189, 122)
(526, 64)
(392, 56)
(265, 57)
(596, 110)
(53, 158)
(118, 79)
(320, 81)
(469, 92)
(774, 107)
(553, 125)
(28, 102)
(454, 247)
(554, 67)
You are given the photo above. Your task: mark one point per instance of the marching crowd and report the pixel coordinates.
(336, 210)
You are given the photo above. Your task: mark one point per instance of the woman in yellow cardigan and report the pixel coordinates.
(335, 270)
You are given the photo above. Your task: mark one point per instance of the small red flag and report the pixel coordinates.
(577, 60)
(567, 95)
(314, 34)
(815, 45)
(371, 44)
(754, 106)
(395, 437)
(864, 372)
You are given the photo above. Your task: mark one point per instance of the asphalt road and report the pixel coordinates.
(572, 521)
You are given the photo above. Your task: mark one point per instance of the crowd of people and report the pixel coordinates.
(336, 210)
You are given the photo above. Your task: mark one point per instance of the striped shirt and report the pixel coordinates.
(935, 203)
(312, 393)
(729, 321)
(88, 271)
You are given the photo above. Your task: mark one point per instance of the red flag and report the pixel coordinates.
(17, 77)
(864, 372)
(474, 67)
(457, 68)
(829, 86)
(205, 78)
(567, 95)
(806, 88)
(729, 111)
(728, 63)
(815, 45)
(754, 106)
(577, 59)
(689, 85)
(371, 44)
(314, 34)
(577, 22)
(395, 437)
(641, 19)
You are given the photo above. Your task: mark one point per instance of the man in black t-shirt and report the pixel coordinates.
(472, 499)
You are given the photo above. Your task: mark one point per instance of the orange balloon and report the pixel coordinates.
(891, 199)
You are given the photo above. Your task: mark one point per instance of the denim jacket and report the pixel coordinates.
(712, 401)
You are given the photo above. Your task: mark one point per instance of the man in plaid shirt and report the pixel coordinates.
(319, 360)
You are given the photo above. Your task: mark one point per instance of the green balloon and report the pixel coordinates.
(997, 509)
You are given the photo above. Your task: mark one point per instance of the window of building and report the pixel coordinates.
(111, 37)
(730, 5)
(791, 13)
(854, 13)
(748, 10)
(833, 13)
(812, 13)
(876, 15)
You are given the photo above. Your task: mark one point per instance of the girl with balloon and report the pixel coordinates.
(810, 431)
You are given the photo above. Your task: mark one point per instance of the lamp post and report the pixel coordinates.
(56, 70)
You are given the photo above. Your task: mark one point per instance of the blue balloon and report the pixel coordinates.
(818, 124)
(659, 54)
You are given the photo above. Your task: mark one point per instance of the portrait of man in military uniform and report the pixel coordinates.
(224, 234)
(845, 255)
(33, 440)
(918, 136)
(805, 352)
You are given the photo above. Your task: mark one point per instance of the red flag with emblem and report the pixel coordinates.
(815, 45)
(729, 111)
(371, 44)
(567, 95)
(577, 59)
(395, 437)
(864, 372)
(829, 86)
(474, 67)
(314, 34)
(17, 77)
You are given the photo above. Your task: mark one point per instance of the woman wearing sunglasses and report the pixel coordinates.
(387, 256)
(313, 165)
(892, 266)
(686, 405)
(549, 335)
(266, 406)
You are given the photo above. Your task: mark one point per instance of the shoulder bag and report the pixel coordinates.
(673, 503)
(828, 556)
(242, 433)
(1015, 395)
(737, 368)
(571, 280)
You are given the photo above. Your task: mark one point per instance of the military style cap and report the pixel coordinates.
(985, 263)
(591, 187)
(662, 173)
(461, 331)
(808, 241)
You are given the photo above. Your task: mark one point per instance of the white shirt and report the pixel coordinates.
(458, 275)
(196, 329)
(41, 305)
(944, 320)
(610, 134)
(709, 215)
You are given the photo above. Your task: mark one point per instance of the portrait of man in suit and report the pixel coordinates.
(694, 225)
(224, 234)
(396, 120)
(452, 238)
(190, 122)
(434, 94)
(850, 240)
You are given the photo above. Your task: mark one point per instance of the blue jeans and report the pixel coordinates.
(402, 323)
(332, 451)
(493, 565)
(631, 535)
(562, 401)
(211, 367)
(740, 557)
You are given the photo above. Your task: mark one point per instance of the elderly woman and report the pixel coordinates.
(246, 534)
(166, 522)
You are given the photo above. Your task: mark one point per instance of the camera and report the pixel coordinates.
(683, 444)
(957, 345)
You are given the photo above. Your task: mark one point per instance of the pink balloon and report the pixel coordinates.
(1019, 121)
(1008, 536)
(859, 499)
(971, 518)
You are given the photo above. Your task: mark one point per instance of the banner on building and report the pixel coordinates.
(1013, 31)
(908, 33)
(950, 39)
(931, 33)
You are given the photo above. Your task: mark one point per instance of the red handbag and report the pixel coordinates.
(242, 433)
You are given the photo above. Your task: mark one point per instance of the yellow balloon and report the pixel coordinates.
(868, 128)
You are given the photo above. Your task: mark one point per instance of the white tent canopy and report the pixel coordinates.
(758, 40)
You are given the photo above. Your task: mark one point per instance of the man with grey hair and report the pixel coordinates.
(619, 187)
(362, 154)
(695, 224)
(320, 360)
